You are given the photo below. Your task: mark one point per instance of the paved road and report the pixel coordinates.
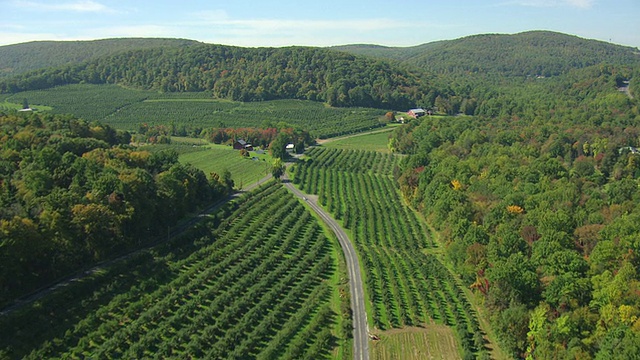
(360, 328)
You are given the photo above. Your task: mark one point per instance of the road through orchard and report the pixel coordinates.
(360, 329)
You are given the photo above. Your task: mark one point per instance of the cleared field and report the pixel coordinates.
(5, 105)
(127, 109)
(432, 342)
(376, 141)
(182, 140)
(217, 158)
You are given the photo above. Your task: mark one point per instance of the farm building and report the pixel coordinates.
(629, 149)
(241, 144)
(416, 113)
(290, 147)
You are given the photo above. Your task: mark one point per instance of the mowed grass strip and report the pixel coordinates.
(218, 158)
(376, 141)
(5, 105)
(432, 342)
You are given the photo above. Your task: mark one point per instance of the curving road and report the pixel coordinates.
(360, 329)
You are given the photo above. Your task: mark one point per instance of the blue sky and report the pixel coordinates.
(317, 23)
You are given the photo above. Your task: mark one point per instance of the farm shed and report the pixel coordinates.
(416, 113)
(241, 144)
(290, 147)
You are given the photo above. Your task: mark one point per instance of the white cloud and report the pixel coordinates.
(222, 29)
(77, 6)
(7, 38)
(211, 15)
(278, 25)
(12, 26)
(583, 4)
(132, 31)
(217, 26)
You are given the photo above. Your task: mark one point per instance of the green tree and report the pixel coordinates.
(279, 145)
(620, 343)
(277, 168)
(512, 326)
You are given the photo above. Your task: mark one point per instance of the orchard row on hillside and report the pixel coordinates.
(255, 281)
(405, 285)
(244, 74)
(194, 114)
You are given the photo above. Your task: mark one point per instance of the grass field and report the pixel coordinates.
(432, 342)
(375, 141)
(13, 106)
(217, 158)
(188, 140)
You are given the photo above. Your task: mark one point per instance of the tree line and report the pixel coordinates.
(526, 75)
(540, 220)
(243, 74)
(74, 193)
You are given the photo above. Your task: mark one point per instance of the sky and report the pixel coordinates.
(319, 23)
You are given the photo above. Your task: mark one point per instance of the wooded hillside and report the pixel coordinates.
(20, 58)
(530, 53)
(541, 221)
(73, 193)
(244, 74)
(476, 75)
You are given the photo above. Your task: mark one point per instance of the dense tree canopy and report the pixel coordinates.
(246, 74)
(531, 53)
(540, 219)
(74, 193)
(20, 58)
(486, 75)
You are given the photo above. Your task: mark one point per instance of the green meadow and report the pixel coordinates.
(218, 158)
(374, 141)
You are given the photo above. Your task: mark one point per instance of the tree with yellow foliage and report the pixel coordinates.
(515, 209)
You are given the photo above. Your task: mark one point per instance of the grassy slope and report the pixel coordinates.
(430, 342)
(6, 105)
(371, 141)
(217, 158)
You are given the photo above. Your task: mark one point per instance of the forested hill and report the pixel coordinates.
(20, 58)
(386, 52)
(490, 75)
(530, 53)
(247, 74)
